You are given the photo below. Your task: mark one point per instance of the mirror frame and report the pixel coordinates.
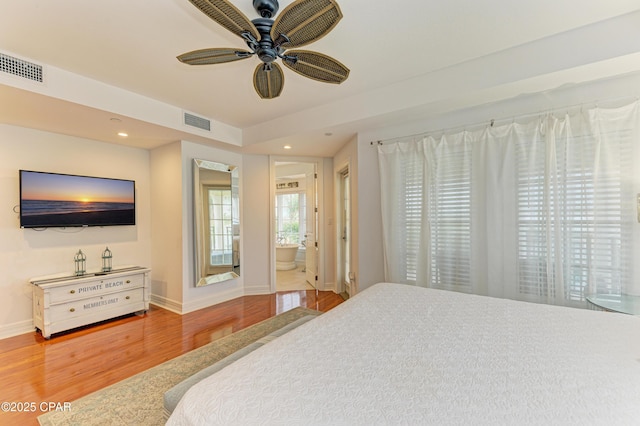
(203, 276)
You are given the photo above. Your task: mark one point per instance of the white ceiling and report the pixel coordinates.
(408, 59)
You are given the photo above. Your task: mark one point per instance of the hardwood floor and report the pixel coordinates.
(73, 364)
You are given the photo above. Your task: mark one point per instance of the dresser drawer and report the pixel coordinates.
(65, 302)
(88, 289)
(88, 306)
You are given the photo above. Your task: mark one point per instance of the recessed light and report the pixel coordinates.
(287, 147)
(328, 134)
(115, 120)
(122, 134)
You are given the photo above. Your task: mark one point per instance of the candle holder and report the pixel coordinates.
(81, 263)
(107, 256)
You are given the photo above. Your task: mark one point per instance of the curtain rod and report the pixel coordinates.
(492, 121)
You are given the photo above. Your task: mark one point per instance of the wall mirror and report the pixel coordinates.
(217, 222)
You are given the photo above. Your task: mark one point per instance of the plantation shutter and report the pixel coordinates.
(571, 227)
(449, 214)
(413, 204)
(542, 210)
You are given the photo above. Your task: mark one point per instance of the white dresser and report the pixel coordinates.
(64, 302)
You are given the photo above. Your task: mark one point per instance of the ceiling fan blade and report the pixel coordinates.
(305, 21)
(268, 80)
(214, 56)
(227, 15)
(316, 66)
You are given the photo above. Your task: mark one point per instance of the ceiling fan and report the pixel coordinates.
(300, 23)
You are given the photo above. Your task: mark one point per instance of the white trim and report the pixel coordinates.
(164, 303)
(257, 290)
(330, 287)
(16, 328)
(339, 172)
(201, 303)
(212, 300)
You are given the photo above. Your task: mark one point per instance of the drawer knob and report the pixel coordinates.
(128, 297)
(72, 310)
(72, 291)
(128, 281)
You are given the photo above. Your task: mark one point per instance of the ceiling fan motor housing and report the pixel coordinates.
(266, 50)
(266, 8)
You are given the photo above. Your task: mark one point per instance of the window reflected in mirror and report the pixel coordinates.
(217, 222)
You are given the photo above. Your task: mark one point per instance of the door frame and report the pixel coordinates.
(343, 249)
(311, 218)
(320, 237)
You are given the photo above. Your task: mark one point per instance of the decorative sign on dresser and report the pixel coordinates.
(61, 303)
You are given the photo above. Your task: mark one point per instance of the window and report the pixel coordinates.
(449, 213)
(413, 202)
(571, 226)
(432, 203)
(542, 210)
(290, 218)
(220, 239)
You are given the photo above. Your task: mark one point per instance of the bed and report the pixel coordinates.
(398, 354)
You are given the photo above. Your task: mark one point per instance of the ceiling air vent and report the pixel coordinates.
(20, 68)
(195, 121)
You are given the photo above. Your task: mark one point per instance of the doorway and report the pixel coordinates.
(295, 225)
(344, 243)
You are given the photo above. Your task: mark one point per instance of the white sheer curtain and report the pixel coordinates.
(542, 210)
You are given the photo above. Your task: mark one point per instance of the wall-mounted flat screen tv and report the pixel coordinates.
(60, 200)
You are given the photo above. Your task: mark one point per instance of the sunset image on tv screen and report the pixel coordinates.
(49, 199)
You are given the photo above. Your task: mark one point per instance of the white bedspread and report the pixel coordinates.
(396, 354)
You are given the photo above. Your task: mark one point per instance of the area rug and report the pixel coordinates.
(138, 399)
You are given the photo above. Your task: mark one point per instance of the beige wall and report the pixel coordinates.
(29, 253)
(166, 226)
(368, 216)
(162, 238)
(173, 273)
(255, 230)
(366, 240)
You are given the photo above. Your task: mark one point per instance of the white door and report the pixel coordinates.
(311, 259)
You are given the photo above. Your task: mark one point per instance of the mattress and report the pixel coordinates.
(398, 354)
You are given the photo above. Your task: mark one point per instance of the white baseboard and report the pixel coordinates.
(203, 302)
(17, 328)
(256, 290)
(168, 304)
(328, 287)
